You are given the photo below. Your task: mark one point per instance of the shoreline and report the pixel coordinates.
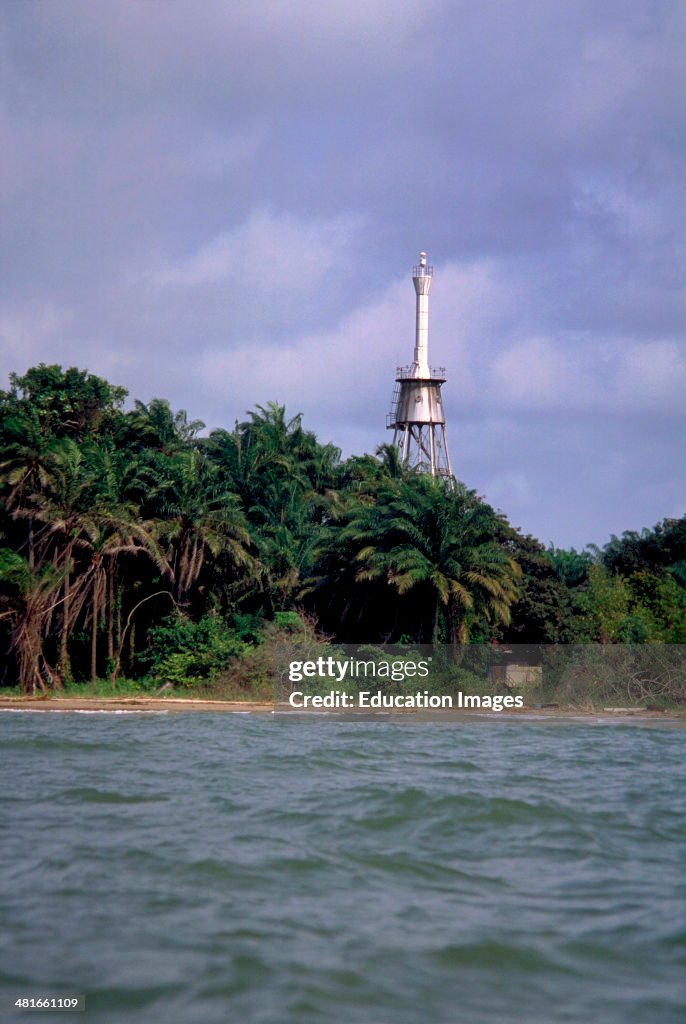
(196, 704)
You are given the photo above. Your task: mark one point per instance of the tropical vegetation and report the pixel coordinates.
(134, 546)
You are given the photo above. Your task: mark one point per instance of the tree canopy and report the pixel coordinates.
(115, 524)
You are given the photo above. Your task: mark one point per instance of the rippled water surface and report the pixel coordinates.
(216, 868)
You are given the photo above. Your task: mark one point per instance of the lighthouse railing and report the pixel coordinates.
(411, 372)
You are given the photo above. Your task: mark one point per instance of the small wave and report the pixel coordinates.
(85, 711)
(24, 711)
(127, 999)
(38, 743)
(111, 711)
(90, 795)
(488, 953)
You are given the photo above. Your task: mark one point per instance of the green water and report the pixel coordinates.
(218, 868)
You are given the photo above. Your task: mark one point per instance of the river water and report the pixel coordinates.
(263, 869)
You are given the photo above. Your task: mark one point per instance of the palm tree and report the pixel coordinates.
(196, 517)
(58, 514)
(24, 465)
(114, 528)
(156, 426)
(106, 537)
(280, 473)
(27, 598)
(82, 528)
(438, 546)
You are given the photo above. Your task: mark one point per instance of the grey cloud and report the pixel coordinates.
(536, 151)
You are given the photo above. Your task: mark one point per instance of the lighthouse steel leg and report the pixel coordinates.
(447, 453)
(432, 438)
(406, 444)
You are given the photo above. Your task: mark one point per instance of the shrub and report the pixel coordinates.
(183, 653)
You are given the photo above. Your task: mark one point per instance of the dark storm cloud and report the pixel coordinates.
(220, 203)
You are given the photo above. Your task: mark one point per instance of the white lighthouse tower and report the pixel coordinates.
(416, 415)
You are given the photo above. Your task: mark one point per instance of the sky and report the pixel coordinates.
(221, 204)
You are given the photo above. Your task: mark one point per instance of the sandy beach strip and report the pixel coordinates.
(133, 704)
(191, 704)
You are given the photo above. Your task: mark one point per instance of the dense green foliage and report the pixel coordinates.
(130, 545)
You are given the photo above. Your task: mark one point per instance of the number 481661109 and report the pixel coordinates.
(50, 1003)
